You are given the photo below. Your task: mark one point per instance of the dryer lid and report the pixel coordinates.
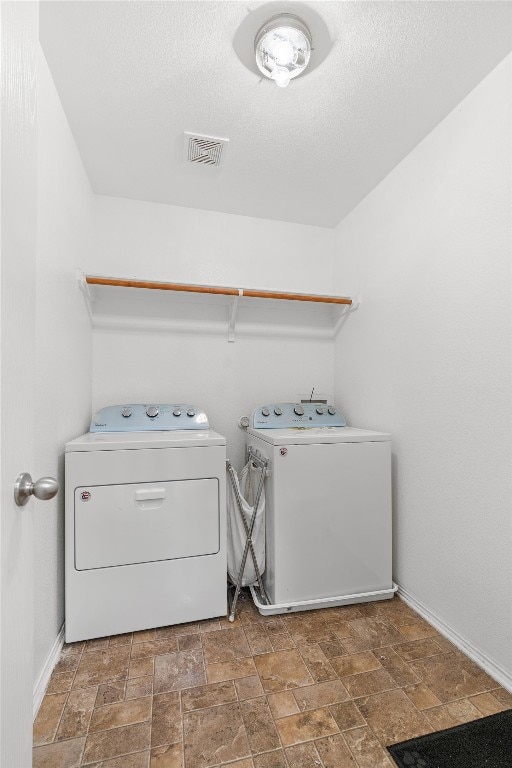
(118, 441)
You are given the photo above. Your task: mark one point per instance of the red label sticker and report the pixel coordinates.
(283, 451)
(85, 495)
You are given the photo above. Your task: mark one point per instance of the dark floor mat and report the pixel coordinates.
(484, 743)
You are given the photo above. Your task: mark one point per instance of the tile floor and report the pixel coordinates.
(322, 689)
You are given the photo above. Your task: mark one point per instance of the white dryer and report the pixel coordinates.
(145, 521)
(328, 508)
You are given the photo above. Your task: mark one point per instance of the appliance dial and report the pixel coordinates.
(332, 410)
(176, 412)
(126, 412)
(191, 412)
(299, 410)
(278, 411)
(265, 412)
(320, 410)
(152, 411)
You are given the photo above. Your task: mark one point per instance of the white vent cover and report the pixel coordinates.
(204, 150)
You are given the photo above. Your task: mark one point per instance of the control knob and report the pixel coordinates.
(278, 411)
(299, 410)
(320, 410)
(191, 412)
(152, 411)
(126, 412)
(332, 410)
(176, 412)
(265, 412)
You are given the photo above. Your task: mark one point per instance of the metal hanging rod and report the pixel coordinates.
(216, 289)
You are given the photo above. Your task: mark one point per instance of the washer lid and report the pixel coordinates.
(316, 435)
(118, 441)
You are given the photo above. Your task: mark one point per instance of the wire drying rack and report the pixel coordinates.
(257, 461)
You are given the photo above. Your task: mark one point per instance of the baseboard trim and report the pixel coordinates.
(494, 670)
(46, 672)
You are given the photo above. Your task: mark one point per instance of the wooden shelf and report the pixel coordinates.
(125, 302)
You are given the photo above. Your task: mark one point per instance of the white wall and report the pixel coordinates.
(164, 242)
(428, 357)
(63, 345)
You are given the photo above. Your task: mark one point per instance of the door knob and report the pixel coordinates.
(45, 488)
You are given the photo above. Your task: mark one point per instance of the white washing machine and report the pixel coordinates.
(328, 508)
(145, 521)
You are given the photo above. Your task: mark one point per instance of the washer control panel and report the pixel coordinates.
(148, 417)
(302, 415)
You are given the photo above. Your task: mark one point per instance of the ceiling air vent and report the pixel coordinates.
(204, 150)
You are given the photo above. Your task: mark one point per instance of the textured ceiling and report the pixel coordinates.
(133, 76)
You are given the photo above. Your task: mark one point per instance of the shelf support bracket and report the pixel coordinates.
(346, 311)
(84, 287)
(232, 316)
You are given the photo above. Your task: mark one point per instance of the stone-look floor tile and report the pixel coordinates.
(395, 610)
(282, 670)
(306, 726)
(453, 713)
(282, 704)
(68, 663)
(230, 670)
(175, 671)
(164, 633)
(135, 760)
(137, 687)
(62, 754)
(99, 667)
(343, 612)
(417, 630)
(170, 756)
(503, 696)
(48, 718)
(60, 682)
(342, 630)
(144, 636)
(275, 759)
(320, 695)
(355, 663)
(166, 725)
(70, 649)
(77, 714)
(368, 683)
(347, 715)
(308, 629)
(105, 745)
(188, 642)
(303, 756)
(96, 644)
(248, 687)
(282, 641)
(259, 725)
(225, 645)
(332, 648)
(487, 704)
(451, 676)
(259, 641)
(274, 625)
(418, 649)
(399, 670)
(116, 640)
(122, 713)
(421, 696)
(208, 695)
(247, 762)
(155, 648)
(375, 632)
(317, 662)
(335, 753)
(141, 667)
(109, 693)
(213, 736)
(366, 749)
(209, 625)
(393, 717)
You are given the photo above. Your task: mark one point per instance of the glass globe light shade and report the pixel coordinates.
(283, 48)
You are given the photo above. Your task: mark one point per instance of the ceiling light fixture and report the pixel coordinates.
(283, 48)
